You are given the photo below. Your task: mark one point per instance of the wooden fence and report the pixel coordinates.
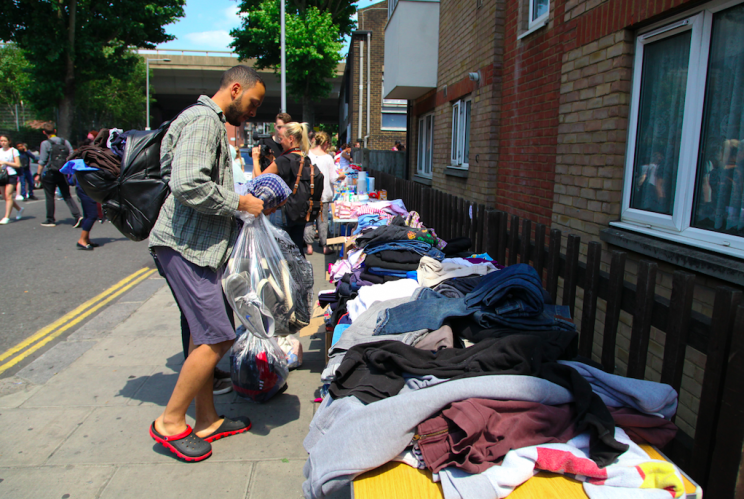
(713, 455)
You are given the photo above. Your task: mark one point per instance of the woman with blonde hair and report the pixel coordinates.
(295, 143)
(319, 157)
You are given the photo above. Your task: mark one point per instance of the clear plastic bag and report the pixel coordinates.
(258, 282)
(292, 348)
(258, 366)
(302, 273)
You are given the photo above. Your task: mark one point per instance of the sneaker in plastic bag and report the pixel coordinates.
(221, 386)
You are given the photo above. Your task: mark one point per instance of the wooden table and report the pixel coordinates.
(399, 481)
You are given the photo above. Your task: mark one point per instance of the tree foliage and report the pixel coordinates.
(14, 77)
(71, 43)
(313, 44)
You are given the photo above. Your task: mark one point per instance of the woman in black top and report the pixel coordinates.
(295, 143)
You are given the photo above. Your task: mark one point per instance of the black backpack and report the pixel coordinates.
(307, 190)
(132, 201)
(57, 156)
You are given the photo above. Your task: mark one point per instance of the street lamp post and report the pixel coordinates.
(147, 89)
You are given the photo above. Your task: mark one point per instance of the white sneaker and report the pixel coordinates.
(19, 198)
(5, 221)
(20, 213)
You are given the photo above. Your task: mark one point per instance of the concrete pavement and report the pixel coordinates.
(75, 421)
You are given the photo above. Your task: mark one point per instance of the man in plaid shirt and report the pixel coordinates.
(192, 240)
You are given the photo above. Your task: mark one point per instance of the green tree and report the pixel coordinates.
(313, 43)
(73, 42)
(14, 78)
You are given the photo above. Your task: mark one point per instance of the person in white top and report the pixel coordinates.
(324, 162)
(345, 160)
(9, 160)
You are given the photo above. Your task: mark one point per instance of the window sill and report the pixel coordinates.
(456, 172)
(422, 180)
(535, 27)
(725, 268)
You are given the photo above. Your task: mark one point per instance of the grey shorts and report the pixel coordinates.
(198, 291)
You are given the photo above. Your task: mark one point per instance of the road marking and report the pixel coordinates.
(56, 328)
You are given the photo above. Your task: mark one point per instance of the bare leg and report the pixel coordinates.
(10, 201)
(84, 237)
(195, 381)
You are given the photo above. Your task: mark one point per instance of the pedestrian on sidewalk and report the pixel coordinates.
(90, 215)
(52, 157)
(319, 157)
(24, 174)
(192, 240)
(10, 161)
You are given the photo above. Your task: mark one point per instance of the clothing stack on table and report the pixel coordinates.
(449, 362)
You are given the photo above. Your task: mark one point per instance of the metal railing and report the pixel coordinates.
(216, 53)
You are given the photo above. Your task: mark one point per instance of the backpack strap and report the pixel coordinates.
(312, 191)
(299, 174)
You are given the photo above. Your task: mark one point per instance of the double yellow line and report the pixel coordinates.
(56, 328)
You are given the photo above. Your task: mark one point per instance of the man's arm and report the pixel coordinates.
(69, 147)
(43, 156)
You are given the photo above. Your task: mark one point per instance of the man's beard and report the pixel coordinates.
(233, 114)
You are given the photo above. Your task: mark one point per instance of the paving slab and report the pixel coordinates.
(143, 291)
(82, 385)
(30, 436)
(15, 391)
(76, 482)
(177, 481)
(277, 478)
(105, 322)
(132, 351)
(56, 359)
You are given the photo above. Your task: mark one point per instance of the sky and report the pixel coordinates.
(207, 25)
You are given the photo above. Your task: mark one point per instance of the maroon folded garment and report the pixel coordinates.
(475, 434)
(643, 428)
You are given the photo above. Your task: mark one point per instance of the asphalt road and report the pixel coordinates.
(45, 276)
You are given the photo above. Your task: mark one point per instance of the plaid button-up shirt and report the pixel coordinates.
(197, 218)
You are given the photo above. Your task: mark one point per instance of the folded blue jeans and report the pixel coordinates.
(516, 291)
(420, 247)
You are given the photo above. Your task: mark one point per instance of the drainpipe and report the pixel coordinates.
(361, 86)
(369, 58)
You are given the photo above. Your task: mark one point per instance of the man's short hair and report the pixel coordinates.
(246, 76)
(48, 128)
(284, 117)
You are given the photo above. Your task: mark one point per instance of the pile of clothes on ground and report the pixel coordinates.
(447, 361)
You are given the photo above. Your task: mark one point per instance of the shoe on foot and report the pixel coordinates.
(19, 198)
(187, 445)
(49, 223)
(228, 428)
(309, 249)
(32, 198)
(5, 221)
(221, 386)
(84, 247)
(78, 223)
(219, 373)
(20, 214)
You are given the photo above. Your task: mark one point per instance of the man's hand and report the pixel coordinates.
(251, 205)
(256, 153)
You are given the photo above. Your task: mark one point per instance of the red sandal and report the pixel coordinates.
(187, 445)
(229, 427)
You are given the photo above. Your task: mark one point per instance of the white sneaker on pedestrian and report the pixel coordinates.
(5, 221)
(19, 198)
(20, 213)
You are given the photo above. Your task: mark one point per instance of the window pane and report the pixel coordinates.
(720, 174)
(539, 7)
(421, 145)
(455, 128)
(394, 121)
(466, 126)
(659, 132)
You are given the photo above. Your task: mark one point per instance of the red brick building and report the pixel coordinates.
(617, 120)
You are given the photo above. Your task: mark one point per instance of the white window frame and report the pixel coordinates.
(539, 21)
(676, 227)
(424, 164)
(393, 106)
(459, 142)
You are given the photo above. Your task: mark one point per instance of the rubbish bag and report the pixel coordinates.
(258, 366)
(258, 282)
(302, 273)
(292, 348)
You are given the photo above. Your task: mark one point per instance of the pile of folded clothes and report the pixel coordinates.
(468, 370)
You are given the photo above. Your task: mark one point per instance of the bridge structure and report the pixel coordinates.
(190, 73)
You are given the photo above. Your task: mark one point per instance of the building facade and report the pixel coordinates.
(364, 115)
(616, 120)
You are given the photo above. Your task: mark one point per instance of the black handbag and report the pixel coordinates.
(4, 177)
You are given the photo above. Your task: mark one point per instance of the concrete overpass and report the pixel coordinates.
(178, 83)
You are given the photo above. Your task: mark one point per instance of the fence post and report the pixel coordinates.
(612, 313)
(721, 326)
(644, 308)
(481, 246)
(526, 237)
(554, 261)
(570, 278)
(513, 239)
(591, 290)
(503, 220)
(538, 257)
(675, 344)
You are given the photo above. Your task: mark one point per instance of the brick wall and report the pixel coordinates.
(470, 39)
(374, 19)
